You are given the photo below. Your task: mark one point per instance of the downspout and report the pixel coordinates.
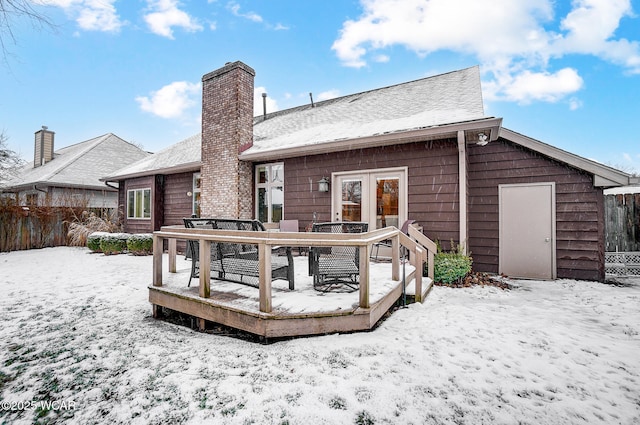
(462, 182)
(35, 187)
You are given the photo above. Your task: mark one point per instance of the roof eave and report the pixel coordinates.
(489, 125)
(42, 184)
(603, 176)
(182, 168)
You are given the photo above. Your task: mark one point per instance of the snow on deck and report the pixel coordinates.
(303, 299)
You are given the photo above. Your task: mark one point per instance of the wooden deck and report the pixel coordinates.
(272, 310)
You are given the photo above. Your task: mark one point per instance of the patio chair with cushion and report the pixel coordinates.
(336, 268)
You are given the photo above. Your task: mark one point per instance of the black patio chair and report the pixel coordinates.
(336, 268)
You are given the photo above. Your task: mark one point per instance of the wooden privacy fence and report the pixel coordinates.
(622, 222)
(22, 229)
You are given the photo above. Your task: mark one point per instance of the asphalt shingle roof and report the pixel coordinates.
(443, 99)
(82, 164)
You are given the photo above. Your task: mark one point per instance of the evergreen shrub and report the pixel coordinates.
(93, 241)
(114, 243)
(140, 244)
(450, 267)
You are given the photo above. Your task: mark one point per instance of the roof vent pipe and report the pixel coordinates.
(311, 97)
(264, 105)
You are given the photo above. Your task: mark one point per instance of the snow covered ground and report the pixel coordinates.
(76, 332)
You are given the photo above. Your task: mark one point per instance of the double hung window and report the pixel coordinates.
(139, 203)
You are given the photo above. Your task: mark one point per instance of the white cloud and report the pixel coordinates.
(528, 86)
(99, 15)
(329, 94)
(575, 104)
(165, 14)
(590, 28)
(91, 15)
(258, 108)
(252, 16)
(516, 41)
(381, 58)
(172, 100)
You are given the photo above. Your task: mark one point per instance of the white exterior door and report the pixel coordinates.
(527, 230)
(377, 197)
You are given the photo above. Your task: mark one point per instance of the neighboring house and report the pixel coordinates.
(422, 150)
(71, 176)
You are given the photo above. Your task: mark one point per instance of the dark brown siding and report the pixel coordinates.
(178, 204)
(579, 208)
(157, 206)
(432, 181)
(137, 225)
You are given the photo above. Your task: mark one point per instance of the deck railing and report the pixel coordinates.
(421, 248)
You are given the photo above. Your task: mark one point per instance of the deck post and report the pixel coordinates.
(205, 268)
(395, 257)
(430, 270)
(156, 311)
(365, 252)
(418, 274)
(157, 260)
(172, 255)
(264, 264)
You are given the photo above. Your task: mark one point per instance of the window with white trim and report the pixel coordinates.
(197, 181)
(270, 192)
(139, 203)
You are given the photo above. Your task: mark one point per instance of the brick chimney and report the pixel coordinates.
(43, 146)
(227, 130)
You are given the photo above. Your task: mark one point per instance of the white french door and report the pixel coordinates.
(377, 197)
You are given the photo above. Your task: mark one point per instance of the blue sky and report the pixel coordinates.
(563, 72)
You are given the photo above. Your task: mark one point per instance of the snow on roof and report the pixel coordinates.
(81, 164)
(438, 100)
(443, 99)
(623, 190)
(186, 152)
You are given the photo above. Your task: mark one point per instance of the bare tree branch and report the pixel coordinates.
(12, 10)
(10, 162)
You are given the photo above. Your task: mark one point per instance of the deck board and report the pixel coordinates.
(303, 311)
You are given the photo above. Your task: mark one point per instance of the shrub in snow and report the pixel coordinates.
(140, 244)
(93, 241)
(114, 243)
(450, 267)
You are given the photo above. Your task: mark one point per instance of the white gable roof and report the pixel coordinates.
(80, 165)
(183, 156)
(434, 101)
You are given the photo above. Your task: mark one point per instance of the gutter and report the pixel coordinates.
(189, 166)
(490, 126)
(603, 176)
(35, 187)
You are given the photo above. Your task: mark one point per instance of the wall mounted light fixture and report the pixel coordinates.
(482, 139)
(323, 185)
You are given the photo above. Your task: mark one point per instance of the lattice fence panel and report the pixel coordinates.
(622, 263)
